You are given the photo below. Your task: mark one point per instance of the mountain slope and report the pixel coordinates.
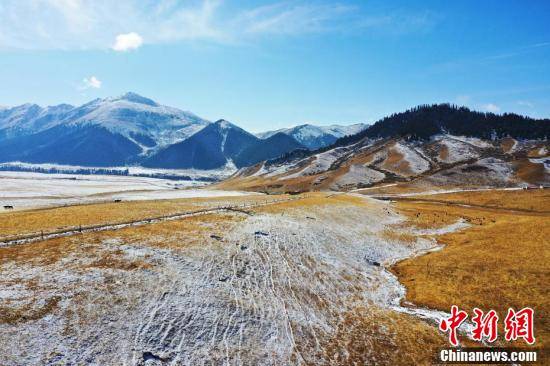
(420, 148)
(139, 119)
(426, 121)
(314, 137)
(219, 144)
(210, 148)
(88, 145)
(271, 147)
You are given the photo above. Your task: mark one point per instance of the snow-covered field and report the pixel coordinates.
(30, 190)
(271, 290)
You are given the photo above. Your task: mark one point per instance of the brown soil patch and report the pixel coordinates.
(395, 163)
(529, 172)
(443, 152)
(536, 152)
(507, 144)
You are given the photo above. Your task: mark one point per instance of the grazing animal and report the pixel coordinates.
(8, 207)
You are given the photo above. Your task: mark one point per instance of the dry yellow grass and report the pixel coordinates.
(33, 221)
(93, 255)
(314, 199)
(534, 200)
(501, 261)
(371, 336)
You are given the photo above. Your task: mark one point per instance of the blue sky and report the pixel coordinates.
(272, 64)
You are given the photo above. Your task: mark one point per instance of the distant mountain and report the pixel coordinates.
(314, 137)
(425, 121)
(136, 118)
(212, 147)
(218, 144)
(269, 148)
(130, 130)
(104, 132)
(88, 145)
(434, 147)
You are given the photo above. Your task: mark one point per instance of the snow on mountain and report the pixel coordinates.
(314, 137)
(29, 118)
(139, 119)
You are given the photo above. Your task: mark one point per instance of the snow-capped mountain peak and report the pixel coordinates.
(314, 137)
(136, 98)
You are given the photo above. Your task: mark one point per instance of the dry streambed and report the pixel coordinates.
(296, 283)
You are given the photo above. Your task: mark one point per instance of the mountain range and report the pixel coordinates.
(134, 130)
(314, 137)
(428, 147)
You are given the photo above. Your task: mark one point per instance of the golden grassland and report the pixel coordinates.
(315, 199)
(534, 200)
(169, 234)
(373, 336)
(88, 248)
(501, 261)
(33, 221)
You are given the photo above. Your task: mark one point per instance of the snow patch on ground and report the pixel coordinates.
(472, 141)
(457, 150)
(359, 174)
(273, 281)
(30, 190)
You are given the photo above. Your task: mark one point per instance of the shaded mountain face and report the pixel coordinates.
(269, 148)
(218, 144)
(314, 137)
(129, 129)
(87, 145)
(210, 148)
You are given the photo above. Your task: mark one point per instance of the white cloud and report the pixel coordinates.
(127, 42)
(91, 82)
(94, 24)
(490, 107)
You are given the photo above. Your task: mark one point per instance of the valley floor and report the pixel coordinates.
(26, 190)
(306, 281)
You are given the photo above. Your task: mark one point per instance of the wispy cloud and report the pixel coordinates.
(525, 103)
(91, 82)
(294, 18)
(490, 107)
(103, 24)
(517, 51)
